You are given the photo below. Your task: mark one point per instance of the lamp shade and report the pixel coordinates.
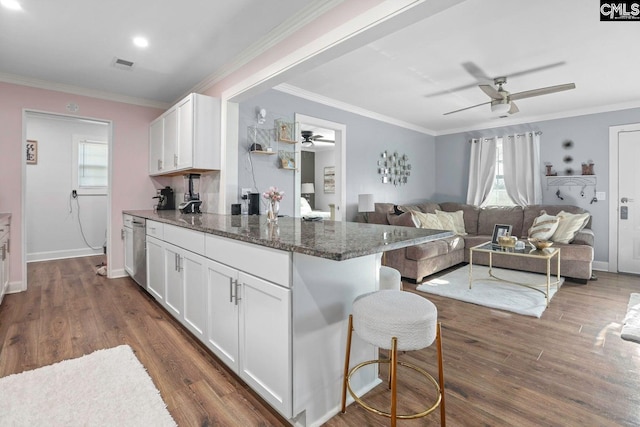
(307, 188)
(365, 203)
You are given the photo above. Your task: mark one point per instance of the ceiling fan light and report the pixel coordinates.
(500, 108)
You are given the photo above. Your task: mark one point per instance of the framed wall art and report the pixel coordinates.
(32, 152)
(330, 179)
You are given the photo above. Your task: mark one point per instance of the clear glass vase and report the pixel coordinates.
(273, 207)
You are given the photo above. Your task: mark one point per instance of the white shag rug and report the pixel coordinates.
(105, 388)
(631, 323)
(492, 293)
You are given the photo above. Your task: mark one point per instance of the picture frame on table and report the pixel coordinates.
(500, 230)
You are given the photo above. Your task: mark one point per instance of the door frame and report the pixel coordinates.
(341, 161)
(614, 194)
(24, 231)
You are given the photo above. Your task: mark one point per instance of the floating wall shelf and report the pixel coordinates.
(572, 180)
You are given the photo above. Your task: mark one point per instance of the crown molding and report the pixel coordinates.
(311, 96)
(288, 27)
(77, 90)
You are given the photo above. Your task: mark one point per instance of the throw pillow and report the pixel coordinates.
(569, 225)
(543, 226)
(405, 219)
(427, 220)
(452, 221)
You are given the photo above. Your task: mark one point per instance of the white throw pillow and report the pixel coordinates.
(452, 221)
(427, 220)
(543, 226)
(569, 225)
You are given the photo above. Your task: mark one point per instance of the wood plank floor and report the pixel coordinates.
(568, 368)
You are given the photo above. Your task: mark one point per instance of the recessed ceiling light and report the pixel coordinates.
(140, 41)
(11, 4)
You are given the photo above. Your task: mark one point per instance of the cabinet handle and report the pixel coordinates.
(230, 289)
(237, 291)
(179, 263)
(175, 160)
(159, 164)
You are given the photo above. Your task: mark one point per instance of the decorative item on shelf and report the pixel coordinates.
(507, 241)
(285, 131)
(273, 196)
(549, 168)
(540, 244)
(287, 159)
(394, 168)
(260, 140)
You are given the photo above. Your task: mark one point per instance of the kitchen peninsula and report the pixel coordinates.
(272, 300)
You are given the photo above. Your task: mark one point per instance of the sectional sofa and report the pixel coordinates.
(419, 261)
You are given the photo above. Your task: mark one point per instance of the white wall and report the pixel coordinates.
(53, 230)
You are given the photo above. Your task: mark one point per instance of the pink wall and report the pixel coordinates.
(132, 188)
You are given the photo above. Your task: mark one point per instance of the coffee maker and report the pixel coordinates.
(166, 201)
(192, 200)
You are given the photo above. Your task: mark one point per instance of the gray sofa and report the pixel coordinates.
(416, 262)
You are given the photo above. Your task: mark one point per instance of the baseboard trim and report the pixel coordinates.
(600, 266)
(15, 287)
(117, 274)
(71, 253)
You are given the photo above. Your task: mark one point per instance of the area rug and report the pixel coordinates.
(105, 388)
(631, 323)
(492, 293)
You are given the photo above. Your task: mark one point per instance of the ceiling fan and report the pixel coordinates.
(308, 138)
(502, 101)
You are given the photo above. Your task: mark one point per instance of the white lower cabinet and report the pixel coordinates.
(243, 319)
(155, 268)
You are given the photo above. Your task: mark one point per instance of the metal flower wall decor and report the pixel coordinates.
(394, 168)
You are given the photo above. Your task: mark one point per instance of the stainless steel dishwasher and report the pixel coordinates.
(140, 251)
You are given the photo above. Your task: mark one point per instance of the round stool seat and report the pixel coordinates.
(380, 316)
(390, 278)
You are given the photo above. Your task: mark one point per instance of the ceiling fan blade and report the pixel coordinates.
(324, 140)
(467, 108)
(542, 91)
(492, 92)
(514, 108)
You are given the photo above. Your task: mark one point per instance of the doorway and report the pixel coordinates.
(624, 202)
(65, 189)
(329, 165)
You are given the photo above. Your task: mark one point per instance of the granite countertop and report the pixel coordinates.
(335, 240)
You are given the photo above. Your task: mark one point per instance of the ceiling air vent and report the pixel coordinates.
(122, 64)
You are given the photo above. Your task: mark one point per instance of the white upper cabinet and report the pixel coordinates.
(186, 137)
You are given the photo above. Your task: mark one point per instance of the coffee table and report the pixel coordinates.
(528, 252)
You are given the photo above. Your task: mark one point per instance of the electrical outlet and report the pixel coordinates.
(245, 191)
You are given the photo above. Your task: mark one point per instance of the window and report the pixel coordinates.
(498, 195)
(91, 165)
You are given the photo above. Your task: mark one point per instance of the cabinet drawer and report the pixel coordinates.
(267, 263)
(155, 229)
(184, 238)
(127, 220)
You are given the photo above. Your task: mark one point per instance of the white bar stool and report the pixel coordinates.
(390, 278)
(397, 321)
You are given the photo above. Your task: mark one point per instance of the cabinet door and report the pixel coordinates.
(174, 287)
(170, 129)
(128, 250)
(195, 293)
(222, 331)
(155, 268)
(265, 341)
(156, 133)
(185, 134)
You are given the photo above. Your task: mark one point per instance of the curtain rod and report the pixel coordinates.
(518, 135)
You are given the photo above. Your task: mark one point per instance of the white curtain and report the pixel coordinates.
(521, 164)
(482, 170)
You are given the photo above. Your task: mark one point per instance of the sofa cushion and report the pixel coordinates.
(435, 248)
(510, 215)
(452, 221)
(377, 218)
(543, 226)
(405, 219)
(568, 226)
(470, 214)
(427, 220)
(532, 211)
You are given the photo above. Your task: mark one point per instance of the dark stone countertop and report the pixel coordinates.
(335, 240)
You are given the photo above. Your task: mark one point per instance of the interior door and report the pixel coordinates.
(629, 202)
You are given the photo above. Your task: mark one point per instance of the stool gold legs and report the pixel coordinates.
(393, 379)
